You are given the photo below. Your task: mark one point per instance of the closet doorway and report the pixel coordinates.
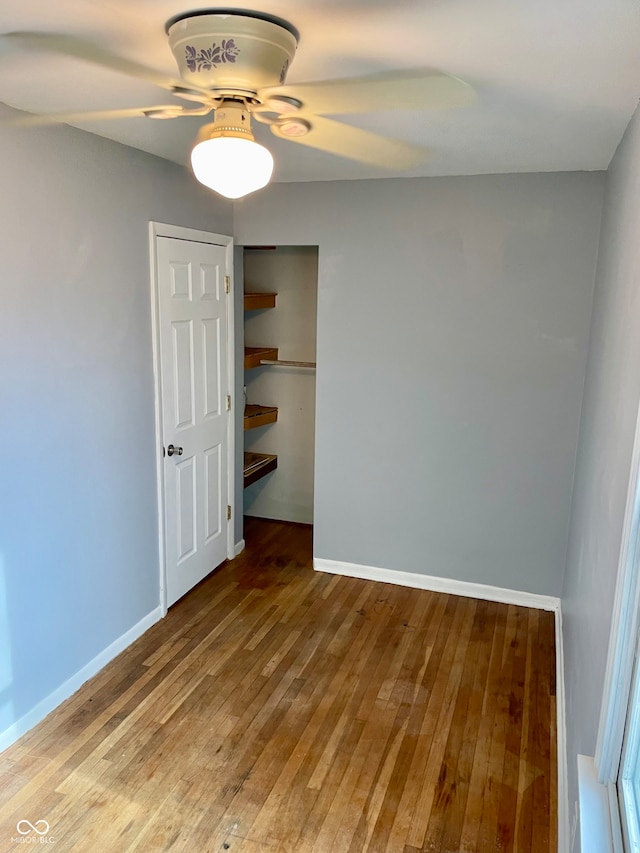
(280, 317)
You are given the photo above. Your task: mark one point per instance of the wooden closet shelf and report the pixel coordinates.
(310, 365)
(257, 416)
(258, 465)
(254, 355)
(257, 301)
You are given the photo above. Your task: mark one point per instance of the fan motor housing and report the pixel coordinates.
(232, 53)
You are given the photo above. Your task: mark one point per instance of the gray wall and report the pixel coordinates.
(78, 529)
(612, 391)
(453, 318)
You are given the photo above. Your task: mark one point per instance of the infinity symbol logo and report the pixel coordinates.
(41, 827)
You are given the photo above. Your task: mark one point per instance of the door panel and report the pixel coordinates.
(210, 281)
(183, 373)
(185, 507)
(194, 382)
(213, 508)
(211, 360)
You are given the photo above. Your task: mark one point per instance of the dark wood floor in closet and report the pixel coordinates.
(281, 710)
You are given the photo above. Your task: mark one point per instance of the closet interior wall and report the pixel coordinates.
(292, 273)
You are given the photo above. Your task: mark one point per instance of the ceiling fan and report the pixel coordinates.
(234, 63)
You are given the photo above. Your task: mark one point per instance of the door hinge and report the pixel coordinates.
(227, 284)
(228, 513)
(228, 402)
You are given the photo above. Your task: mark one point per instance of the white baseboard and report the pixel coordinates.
(50, 702)
(435, 584)
(239, 547)
(597, 834)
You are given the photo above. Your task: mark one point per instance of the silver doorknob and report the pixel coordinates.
(171, 450)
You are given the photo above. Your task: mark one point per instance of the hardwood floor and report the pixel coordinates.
(281, 710)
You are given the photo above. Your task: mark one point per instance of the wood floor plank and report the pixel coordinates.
(526, 773)
(470, 838)
(489, 829)
(452, 791)
(517, 730)
(433, 779)
(281, 710)
(416, 694)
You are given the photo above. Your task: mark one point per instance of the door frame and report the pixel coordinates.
(177, 232)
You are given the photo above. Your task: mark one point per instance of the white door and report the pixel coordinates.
(194, 383)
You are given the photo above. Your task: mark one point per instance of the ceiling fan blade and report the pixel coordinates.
(423, 89)
(87, 51)
(356, 144)
(162, 111)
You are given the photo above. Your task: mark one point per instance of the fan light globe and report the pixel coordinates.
(231, 166)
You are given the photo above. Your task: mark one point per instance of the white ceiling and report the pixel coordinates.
(556, 80)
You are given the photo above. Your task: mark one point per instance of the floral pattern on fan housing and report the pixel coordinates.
(230, 53)
(206, 58)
